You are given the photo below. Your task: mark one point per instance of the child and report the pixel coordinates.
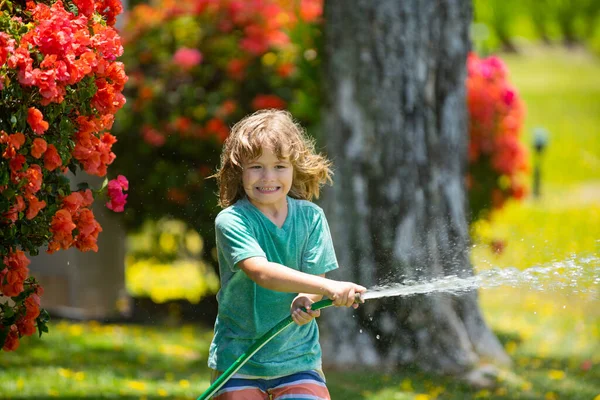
(274, 248)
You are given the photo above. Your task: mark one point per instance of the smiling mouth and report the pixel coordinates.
(269, 189)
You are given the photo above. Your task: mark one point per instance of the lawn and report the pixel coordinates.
(553, 335)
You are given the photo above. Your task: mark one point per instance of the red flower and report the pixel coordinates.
(7, 46)
(218, 128)
(26, 327)
(52, 159)
(152, 136)
(311, 10)
(268, 101)
(73, 202)
(61, 227)
(35, 206)
(14, 273)
(236, 69)
(85, 7)
(187, 58)
(38, 148)
(35, 119)
(12, 340)
(89, 229)
(34, 178)
(13, 212)
(115, 191)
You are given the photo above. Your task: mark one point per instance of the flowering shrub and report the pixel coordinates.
(197, 67)
(497, 159)
(60, 87)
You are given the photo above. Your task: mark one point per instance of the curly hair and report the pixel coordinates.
(275, 129)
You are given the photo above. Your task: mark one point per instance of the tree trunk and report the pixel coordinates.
(395, 126)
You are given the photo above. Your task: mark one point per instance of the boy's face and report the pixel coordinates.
(267, 180)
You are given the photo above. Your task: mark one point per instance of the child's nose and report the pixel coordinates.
(268, 173)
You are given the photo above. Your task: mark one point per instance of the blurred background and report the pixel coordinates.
(140, 328)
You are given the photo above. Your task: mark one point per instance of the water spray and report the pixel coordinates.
(555, 276)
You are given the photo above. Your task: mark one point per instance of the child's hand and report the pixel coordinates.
(300, 317)
(344, 294)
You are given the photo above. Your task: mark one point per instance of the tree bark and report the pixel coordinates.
(395, 125)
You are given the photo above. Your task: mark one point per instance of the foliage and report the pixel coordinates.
(497, 158)
(569, 21)
(163, 263)
(60, 87)
(197, 67)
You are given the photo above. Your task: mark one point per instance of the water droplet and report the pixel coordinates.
(377, 337)
(360, 331)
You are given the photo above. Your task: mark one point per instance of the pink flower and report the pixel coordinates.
(187, 58)
(118, 199)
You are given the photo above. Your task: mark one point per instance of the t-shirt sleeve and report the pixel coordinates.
(319, 256)
(235, 239)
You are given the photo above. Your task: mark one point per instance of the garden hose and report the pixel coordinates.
(264, 339)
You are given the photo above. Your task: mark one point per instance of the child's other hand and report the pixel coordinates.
(298, 315)
(344, 294)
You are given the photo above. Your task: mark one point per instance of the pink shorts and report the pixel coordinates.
(307, 385)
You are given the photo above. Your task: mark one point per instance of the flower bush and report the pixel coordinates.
(60, 86)
(497, 159)
(197, 67)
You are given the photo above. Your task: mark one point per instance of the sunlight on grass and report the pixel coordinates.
(562, 92)
(94, 360)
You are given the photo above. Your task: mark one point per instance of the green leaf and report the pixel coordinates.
(8, 312)
(9, 193)
(104, 184)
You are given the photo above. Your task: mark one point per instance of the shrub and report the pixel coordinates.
(60, 87)
(497, 159)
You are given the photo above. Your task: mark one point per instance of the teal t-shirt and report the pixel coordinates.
(247, 310)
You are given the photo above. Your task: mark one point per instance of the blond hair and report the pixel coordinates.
(275, 129)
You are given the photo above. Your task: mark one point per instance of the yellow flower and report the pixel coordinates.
(137, 385)
(406, 385)
(482, 394)
(422, 397)
(269, 59)
(551, 396)
(556, 374)
(79, 376)
(65, 373)
(184, 383)
(162, 392)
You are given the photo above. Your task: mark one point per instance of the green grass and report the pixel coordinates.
(553, 337)
(561, 90)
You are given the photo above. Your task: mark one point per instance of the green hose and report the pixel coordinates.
(264, 339)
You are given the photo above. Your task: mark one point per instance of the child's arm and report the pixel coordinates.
(283, 279)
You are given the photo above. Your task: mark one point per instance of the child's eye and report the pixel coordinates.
(281, 166)
(254, 167)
